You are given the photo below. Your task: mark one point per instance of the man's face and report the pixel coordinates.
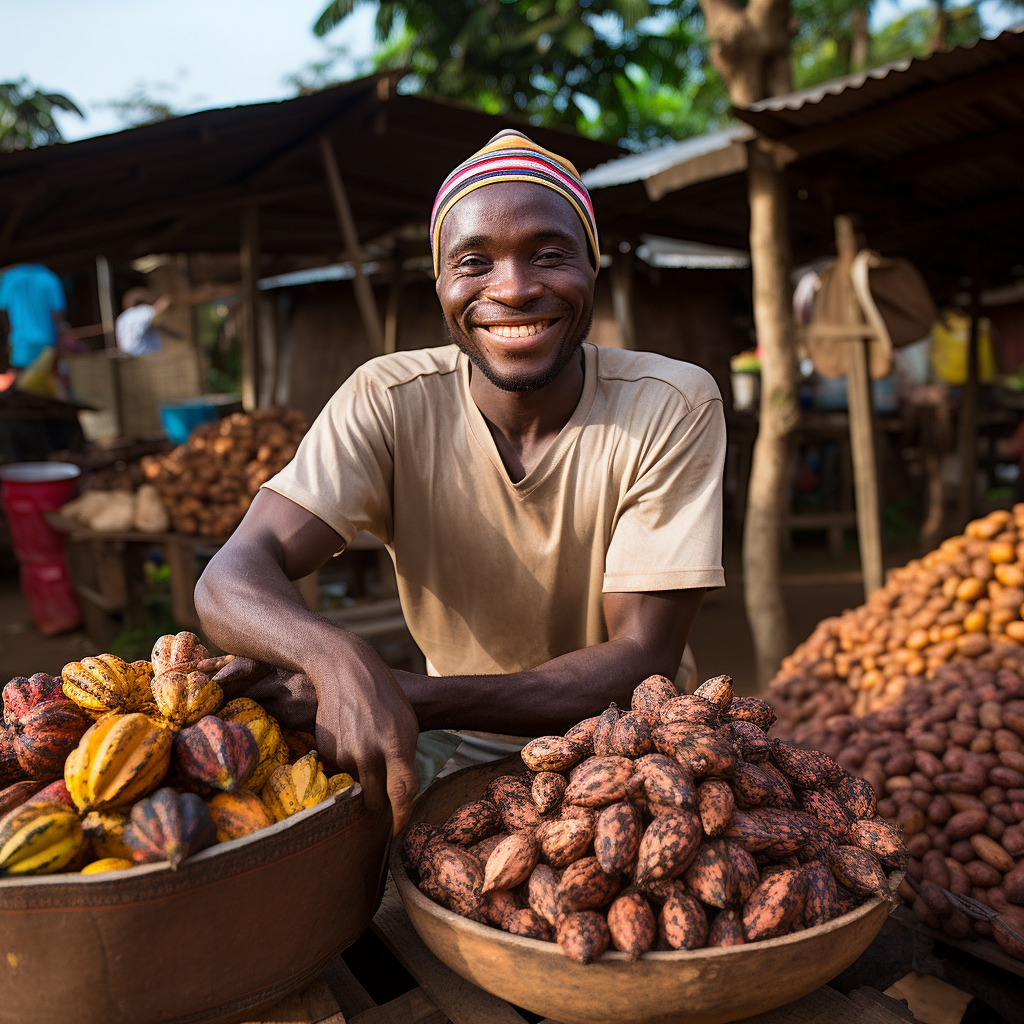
(516, 285)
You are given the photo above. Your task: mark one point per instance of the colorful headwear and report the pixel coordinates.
(511, 156)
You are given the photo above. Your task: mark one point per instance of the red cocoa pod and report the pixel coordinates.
(631, 924)
(588, 815)
(748, 832)
(716, 804)
(823, 805)
(664, 782)
(1013, 885)
(18, 793)
(631, 735)
(959, 883)
(727, 927)
(787, 831)
(934, 898)
(962, 851)
(982, 875)
(1008, 931)
(1012, 840)
(482, 850)
(552, 754)
(965, 824)
(717, 690)
(856, 795)
(808, 768)
(709, 876)
(584, 886)
(511, 861)
(935, 869)
(917, 845)
(564, 840)
(883, 840)
(751, 741)
(682, 922)
(965, 802)
(471, 823)
(617, 836)
(775, 905)
(750, 785)
(860, 871)
(1009, 778)
(992, 853)
(21, 695)
(604, 729)
(821, 903)
(583, 935)
(750, 709)
(416, 838)
(541, 893)
(939, 810)
(745, 875)
(600, 780)
(692, 709)
(1012, 759)
(668, 845)
(782, 795)
(957, 925)
(582, 733)
(924, 914)
(652, 693)
(456, 875)
(497, 905)
(528, 923)
(547, 791)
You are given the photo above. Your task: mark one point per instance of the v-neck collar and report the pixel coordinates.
(565, 439)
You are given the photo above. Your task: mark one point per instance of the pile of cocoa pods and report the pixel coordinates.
(676, 825)
(947, 764)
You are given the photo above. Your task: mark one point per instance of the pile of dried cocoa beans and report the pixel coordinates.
(675, 825)
(947, 764)
(957, 603)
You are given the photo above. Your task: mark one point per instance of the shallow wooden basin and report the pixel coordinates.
(704, 986)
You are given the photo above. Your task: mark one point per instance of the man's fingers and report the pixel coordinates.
(403, 784)
(372, 774)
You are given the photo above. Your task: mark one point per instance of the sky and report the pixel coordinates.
(196, 54)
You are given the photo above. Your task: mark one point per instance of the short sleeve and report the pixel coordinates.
(668, 530)
(343, 471)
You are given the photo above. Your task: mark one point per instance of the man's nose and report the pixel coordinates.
(513, 282)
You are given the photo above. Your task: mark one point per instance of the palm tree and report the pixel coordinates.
(26, 116)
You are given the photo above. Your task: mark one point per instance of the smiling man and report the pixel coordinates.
(553, 509)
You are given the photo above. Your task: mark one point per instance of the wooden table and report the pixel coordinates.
(440, 995)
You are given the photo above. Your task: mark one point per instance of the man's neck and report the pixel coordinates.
(524, 424)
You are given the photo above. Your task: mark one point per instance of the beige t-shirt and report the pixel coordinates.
(495, 576)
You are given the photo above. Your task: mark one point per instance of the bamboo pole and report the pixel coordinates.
(862, 435)
(250, 258)
(364, 293)
(622, 294)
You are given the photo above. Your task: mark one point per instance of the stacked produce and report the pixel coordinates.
(118, 511)
(675, 825)
(955, 604)
(209, 482)
(116, 764)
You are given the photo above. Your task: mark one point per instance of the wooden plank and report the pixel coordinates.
(346, 988)
(250, 260)
(313, 1005)
(622, 294)
(181, 560)
(413, 1007)
(825, 1006)
(462, 1001)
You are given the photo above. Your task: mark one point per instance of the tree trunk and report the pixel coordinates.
(940, 28)
(860, 53)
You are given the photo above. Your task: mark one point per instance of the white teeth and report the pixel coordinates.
(519, 330)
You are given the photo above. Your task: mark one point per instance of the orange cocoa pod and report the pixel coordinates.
(585, 886)
(471, 823)
(775, 905)
(682, 922)
(541, 893)
(787, 831)
(547, 791)
(690, 708)
(413, 844)
(717, 690)
(631, 924)
(808, 768)
(583, 935)
(668, 845)
(751, 741)
(824, 805)
(582, 734)
(497, 905)
(881, 838)
(716, 805)
(511, 862)
(748, 832)
(709, 876)
(664, 781)
(856, 796)
(603, 731)
(456, 875)
(552, 754)
(726, 930)
(631, 735)
(652, 693)
(745, 875)
(821, 903)
(482, 850)
(588, 815)
(617, 836)
(750, 786)
(600, 780)
(564, 840)
(750, 709)
(516, 806)
(857, 869)
(528, 923)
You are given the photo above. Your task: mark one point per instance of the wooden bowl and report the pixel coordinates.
(235, 928)
(702, 986)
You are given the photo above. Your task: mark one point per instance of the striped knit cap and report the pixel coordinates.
(511, 156)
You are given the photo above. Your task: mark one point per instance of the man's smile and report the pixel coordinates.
(527, 332)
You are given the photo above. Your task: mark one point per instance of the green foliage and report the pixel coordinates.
(26, 115)
(911, 35)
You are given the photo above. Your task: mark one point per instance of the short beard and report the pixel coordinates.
(517, 384)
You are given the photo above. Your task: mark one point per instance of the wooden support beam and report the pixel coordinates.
(862, 435)
(394, 303)
(969, 405)
(364, 292)
(250, 257)
(622, 293)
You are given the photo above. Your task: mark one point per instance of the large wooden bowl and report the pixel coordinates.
(234, 929)
(703, 986)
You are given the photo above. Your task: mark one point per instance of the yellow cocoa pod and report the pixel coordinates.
(969, 589)
(976, 622)
(1015, 630)
(39, 839)
(999, 552)
(108, 683)
(266, 732)
(183, 697)
(1009, 574)
(294, 787)
(107, 864)
(119, 760)
(105, 831)
(177, 649)
(238, 814)
(339, 783)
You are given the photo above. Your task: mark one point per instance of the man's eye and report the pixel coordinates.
(551, 254)
(472, 261)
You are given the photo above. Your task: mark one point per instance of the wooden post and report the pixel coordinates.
(969, 407)
(364, 292)
(250, 257)
(105, 292)
(394, 303)
(622, 293)
(862, 435)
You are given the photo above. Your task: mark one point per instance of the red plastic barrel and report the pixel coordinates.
(27, 490)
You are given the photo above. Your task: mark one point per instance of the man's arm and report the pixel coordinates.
(249, 607)
(647, 634)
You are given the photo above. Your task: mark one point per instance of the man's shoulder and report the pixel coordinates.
(658, 374)
(399, 368)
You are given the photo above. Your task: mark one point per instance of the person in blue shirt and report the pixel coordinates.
(32, 308)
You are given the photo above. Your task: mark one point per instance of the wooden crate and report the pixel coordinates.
(438, 995)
